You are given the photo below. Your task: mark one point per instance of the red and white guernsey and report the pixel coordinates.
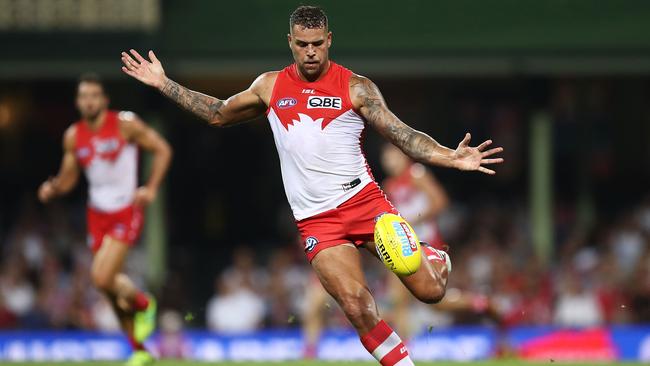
(318, 136)
(109, 162)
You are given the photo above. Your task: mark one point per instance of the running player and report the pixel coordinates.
(318, 111)
(104, 143)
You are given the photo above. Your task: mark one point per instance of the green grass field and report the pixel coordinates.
(322, 363)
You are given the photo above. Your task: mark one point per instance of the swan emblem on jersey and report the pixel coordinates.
(305, 122)
(104, 149)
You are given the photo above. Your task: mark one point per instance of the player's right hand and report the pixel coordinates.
(148, 72)
(46, 191)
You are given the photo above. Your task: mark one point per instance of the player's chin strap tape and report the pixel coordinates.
(348, 186)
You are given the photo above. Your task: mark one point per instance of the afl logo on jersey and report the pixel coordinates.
(324, 102)
(83, 152)
(287, 102)
(310, 243)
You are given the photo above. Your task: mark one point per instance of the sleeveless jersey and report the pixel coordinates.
(411, 202)
(318, 137)
(109, 162)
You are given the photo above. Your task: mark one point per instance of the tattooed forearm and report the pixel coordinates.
(418, 145)
(204, 106)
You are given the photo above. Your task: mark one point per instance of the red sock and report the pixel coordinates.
(386, 346)
(137, 346)
(140, 302)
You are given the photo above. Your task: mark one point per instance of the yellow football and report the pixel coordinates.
(397, 244)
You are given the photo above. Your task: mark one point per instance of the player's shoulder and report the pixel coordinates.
(128, 121)
(357, 79)
(417, 171)
(361, 89)
(263, 85)
(70, 135)
(360, 84)
(266, 80)
(127, 116)
(130, 124)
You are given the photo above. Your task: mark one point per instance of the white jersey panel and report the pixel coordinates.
(112, 183)
(321, 167)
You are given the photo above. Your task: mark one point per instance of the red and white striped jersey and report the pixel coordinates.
(318, 136)
(109, 162)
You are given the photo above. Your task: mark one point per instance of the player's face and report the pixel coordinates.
(310, 47)
(393, 160)
(91, 100)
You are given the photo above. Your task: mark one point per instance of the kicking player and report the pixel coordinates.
(318, 111)
(104, 143)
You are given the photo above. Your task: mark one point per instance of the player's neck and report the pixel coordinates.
(97, 122)
(320, 76)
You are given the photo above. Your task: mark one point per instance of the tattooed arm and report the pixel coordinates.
(367, 99)
(240, 107)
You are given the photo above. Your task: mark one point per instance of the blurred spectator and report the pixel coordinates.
(171, 342)
(286, 288)
(15, 288)
(244, 271)
(639, 290)
(576, 305)
(234, 309)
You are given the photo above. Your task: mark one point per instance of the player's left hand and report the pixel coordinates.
(473, 158)
(144, 196)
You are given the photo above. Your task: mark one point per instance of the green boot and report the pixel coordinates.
(145, 321)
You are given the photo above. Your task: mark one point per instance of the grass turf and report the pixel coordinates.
(323, 363)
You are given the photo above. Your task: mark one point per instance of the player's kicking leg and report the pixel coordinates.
(339, 270)
(429, 283)
(135, 310)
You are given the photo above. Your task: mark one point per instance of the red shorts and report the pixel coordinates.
(123, 225)
(351, 222)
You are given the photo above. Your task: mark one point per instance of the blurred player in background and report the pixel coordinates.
(420, 199)
(104, 143)
(318, 111)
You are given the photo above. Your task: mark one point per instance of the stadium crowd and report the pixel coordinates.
(598, 275)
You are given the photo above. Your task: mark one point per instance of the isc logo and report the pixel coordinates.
(324, 102)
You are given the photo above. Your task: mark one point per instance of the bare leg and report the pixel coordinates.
(313, 317)
(339, 270)
(428, 283)
(117, 286)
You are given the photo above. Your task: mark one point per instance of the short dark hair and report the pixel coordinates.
(309, 17)
(91, 77)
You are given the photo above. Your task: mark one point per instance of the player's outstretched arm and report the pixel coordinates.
(134, 129)
(241, 107)
(68, 175)
(367, 99)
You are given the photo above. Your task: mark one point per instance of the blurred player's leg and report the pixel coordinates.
(313, 316)
(339, 270)
(126, 298)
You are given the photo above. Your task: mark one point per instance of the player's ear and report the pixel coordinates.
(329, 39)
(289, 39)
